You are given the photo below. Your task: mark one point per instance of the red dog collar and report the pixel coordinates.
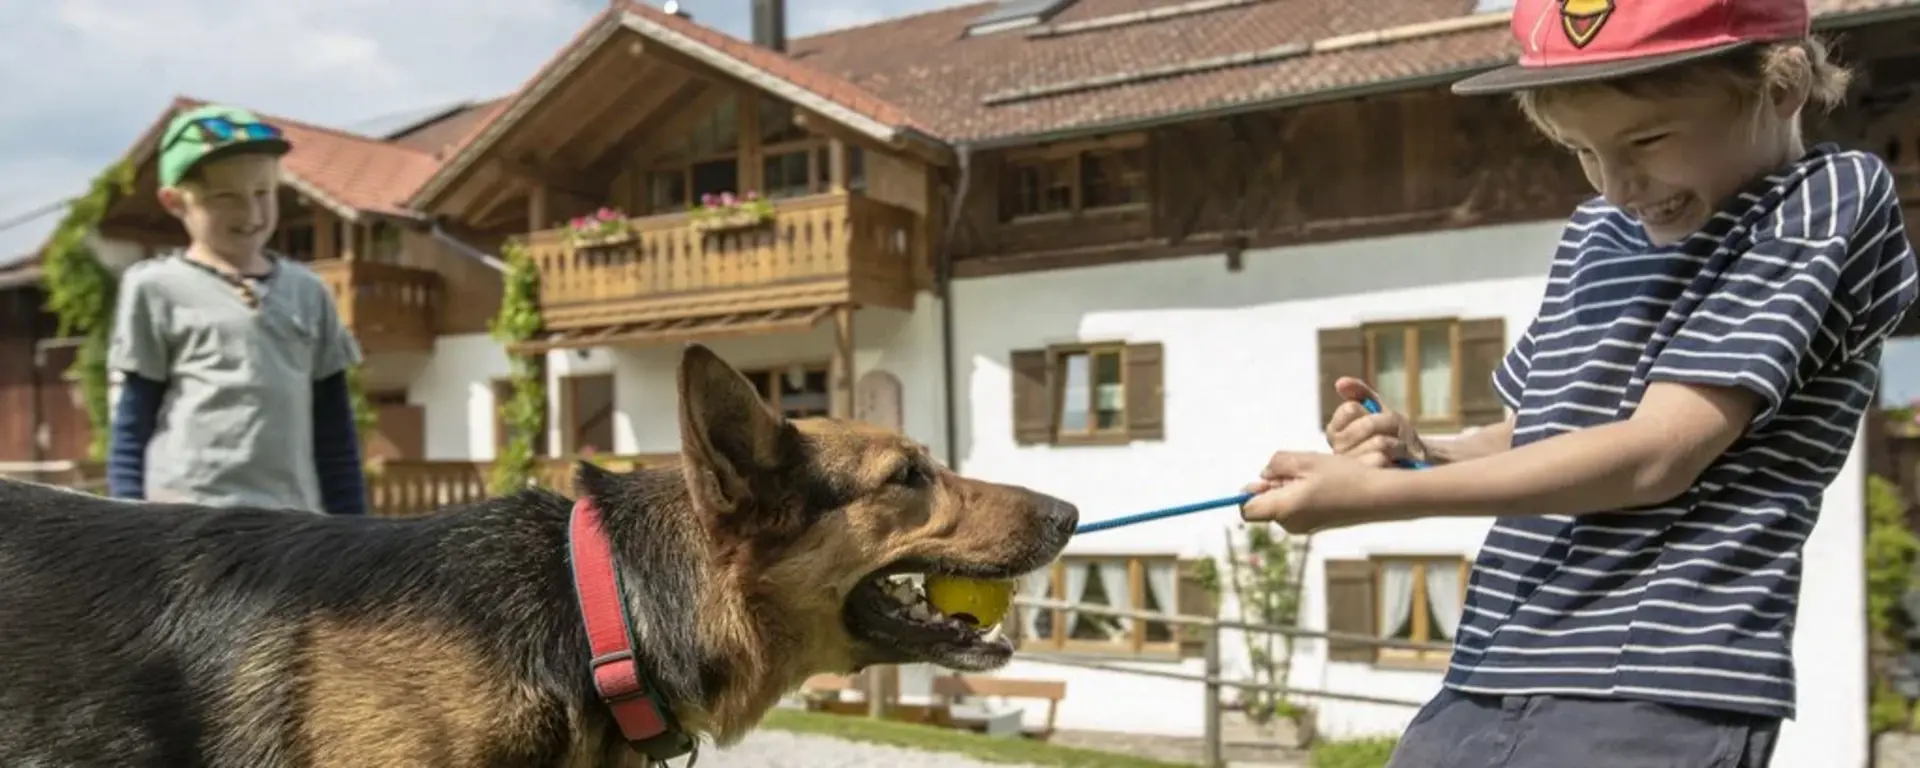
(646, 721)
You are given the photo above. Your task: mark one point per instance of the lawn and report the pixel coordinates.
(930, 739)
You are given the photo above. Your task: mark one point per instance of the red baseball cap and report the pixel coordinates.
(1577, 41)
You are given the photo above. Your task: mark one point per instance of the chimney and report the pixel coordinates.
(770, 24)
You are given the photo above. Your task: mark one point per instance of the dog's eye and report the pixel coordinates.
(910, 475)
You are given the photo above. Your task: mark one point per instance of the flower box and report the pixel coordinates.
(604, 228)
(723, 212)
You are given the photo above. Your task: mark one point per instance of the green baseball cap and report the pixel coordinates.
(204, 133)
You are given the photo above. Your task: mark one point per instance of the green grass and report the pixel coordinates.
(931, 739)
(1355, 753)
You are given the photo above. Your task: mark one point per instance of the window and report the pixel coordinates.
(1155, 584)
(796, 391)
(1101, 393)
(1413, 366)
(792, 161)
(1437, 371)
(1412, 598)
(1073, 180)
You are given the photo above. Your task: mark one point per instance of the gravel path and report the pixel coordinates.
(778, 749)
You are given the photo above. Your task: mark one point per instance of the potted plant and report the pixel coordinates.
(724, 211)
(604, 227)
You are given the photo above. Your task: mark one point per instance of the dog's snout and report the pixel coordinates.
(1059, 515)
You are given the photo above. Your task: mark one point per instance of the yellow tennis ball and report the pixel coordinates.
(986, 602)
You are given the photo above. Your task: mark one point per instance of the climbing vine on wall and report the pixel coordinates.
(80, 293)
(525, 413)
(1890, 552)
(364, 417)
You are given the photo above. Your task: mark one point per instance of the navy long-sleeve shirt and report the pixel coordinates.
(336, 442)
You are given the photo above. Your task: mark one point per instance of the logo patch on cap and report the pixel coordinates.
(1582, 19)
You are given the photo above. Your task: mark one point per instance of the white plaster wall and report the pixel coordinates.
(646, 400)
(454, 389)
(1241, 374)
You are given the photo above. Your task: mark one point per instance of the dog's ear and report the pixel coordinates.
(727, 433)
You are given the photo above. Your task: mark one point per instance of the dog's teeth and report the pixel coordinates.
(994, 633)
(921, 611)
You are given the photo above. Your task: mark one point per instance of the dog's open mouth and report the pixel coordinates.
(890, 611)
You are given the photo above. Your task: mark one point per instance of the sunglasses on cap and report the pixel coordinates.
(216, 131)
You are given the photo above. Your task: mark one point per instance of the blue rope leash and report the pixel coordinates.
(1229, 501)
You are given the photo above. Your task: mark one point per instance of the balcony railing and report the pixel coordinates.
(388, 308)
(815, 250)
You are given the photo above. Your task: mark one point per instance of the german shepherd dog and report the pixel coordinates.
(145, 635)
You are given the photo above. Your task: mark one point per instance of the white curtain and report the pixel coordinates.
(1444, 596)
(1113, 579)
(1076, 589)
(1390, 368)
(1396, 596)
(1039, 585)
(1436, 372)
(1162, 581)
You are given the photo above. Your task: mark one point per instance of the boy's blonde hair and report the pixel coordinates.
(1748, 75)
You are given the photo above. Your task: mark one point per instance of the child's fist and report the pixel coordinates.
(1374, 439)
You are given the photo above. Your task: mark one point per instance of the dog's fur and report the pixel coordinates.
(173, 635)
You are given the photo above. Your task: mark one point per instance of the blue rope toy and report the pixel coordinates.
(1230, 501)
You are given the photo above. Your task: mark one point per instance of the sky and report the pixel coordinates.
(80, 80)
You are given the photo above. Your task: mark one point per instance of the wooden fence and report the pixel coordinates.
(395, 487)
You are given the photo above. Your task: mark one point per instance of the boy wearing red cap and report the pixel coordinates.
(1708, 341)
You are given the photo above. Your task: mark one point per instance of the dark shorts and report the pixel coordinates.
(1457, 730)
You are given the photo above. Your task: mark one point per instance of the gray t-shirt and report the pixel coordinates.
(236, 425)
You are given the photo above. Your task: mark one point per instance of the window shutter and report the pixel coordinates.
(1193, 599)
(1146, 396)
(1032, 398)
(1343, 352)
(1483, 346)
(1350, 608)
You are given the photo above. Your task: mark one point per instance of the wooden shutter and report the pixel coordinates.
(1483, 345)
(1032, 397)
(1343, 352)
(1193, 598)
(1350, 608)
(1146, 395)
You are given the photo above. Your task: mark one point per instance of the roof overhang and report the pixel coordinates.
(602, 30)
(778, 86)
(680, 330)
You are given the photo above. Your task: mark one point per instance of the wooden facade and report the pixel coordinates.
(41, 417)
(662, 200)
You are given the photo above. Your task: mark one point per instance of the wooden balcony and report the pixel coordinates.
(670, 280)
(388, 308)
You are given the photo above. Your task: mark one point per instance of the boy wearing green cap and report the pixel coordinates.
(232, 359)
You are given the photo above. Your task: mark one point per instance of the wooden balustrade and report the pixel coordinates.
(815, 250)
(389, 308)
(413, 487)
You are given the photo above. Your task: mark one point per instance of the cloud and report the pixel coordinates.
(83, 78)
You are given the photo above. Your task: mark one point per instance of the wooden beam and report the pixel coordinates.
(923, 151)
(326, 234)
(537, 210)
(840, 367)
(531, 172)
(656, 97)
(692, 102)
(748, 171)
(836, 166)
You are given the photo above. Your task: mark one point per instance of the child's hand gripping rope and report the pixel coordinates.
(1230, 501)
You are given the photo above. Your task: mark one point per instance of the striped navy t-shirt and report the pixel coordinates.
(1789, 292)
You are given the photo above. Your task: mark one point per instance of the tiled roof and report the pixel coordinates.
(443, 132)
(820, 81)
(969, 88)
(360, 173)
